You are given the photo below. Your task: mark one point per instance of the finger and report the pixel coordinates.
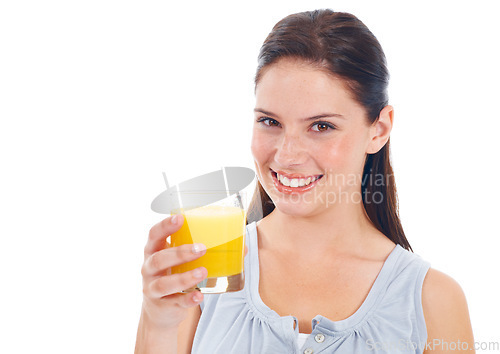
(175, 283)
(246, 250)
(185, 300)
(160, 261)
(159, 233)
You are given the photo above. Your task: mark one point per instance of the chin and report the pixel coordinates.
(293, 205)
(294, 210)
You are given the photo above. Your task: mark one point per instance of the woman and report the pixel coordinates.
(329, 267)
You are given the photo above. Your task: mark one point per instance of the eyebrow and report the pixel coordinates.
(318, 116)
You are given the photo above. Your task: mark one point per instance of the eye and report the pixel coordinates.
(321, 126)
(269, 122)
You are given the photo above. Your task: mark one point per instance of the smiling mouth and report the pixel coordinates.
(294, 183)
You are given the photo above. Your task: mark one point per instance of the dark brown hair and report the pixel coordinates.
(343, 46)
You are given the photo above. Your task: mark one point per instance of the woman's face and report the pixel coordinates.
(310, 139)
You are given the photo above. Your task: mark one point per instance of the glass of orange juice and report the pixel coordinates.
(220, 226)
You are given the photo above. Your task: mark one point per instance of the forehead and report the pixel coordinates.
(302, 88)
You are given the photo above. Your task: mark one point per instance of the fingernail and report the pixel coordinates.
(199, 248)
(197, 273)
(196, 297)
(174, 219)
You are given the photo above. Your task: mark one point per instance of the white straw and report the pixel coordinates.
(179, 197)
(225, 181)
(165, 178)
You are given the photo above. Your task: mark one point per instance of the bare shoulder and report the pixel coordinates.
(446, 312)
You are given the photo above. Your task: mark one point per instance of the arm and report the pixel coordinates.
(150, 340)
(187, 329)
(446, 315)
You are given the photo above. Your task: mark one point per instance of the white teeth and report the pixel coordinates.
(295, 182)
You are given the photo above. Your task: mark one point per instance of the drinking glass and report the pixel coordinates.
(220, 226)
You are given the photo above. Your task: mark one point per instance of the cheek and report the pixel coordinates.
(261, 146)
(339, 155)
(331, 153)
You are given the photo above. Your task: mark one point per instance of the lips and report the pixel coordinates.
(294, 183)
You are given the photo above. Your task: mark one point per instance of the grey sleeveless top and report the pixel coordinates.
(390, 320)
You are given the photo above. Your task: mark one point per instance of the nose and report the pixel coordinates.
(290, 151)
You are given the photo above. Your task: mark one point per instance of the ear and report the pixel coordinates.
(380, 130)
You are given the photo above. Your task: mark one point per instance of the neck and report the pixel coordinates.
(340, 228)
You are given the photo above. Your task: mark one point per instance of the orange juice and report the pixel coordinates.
(222, 230)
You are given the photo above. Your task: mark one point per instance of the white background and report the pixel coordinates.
(97, 98)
